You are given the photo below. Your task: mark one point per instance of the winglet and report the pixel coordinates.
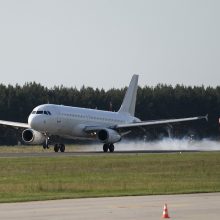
(204, 117)
(129, 102)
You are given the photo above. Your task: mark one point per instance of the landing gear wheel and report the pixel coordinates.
(111, 148)
(56, 147)
(44, 146)
(62, 148)
(105, 148)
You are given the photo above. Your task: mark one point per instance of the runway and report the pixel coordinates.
(84, 153)
(191, 206)
(125, 148)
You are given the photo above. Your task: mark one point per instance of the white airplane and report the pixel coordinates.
(50, 120)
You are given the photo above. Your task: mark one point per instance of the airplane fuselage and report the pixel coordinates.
(70, 122)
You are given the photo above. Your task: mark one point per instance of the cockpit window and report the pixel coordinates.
(39, 112)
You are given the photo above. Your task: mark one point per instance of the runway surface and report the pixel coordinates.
(191, 206)
(84, 153)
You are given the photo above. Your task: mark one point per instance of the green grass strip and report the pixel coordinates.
(26, 179)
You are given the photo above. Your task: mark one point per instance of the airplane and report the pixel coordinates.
(49, 120)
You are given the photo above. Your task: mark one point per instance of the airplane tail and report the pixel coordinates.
(129, 101)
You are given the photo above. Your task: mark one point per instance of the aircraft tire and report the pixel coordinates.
(111, 148)
(105, 148)
(62, 148)
(44, 146)
(56, 148)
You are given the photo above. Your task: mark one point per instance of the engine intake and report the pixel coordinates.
(30, 136)
(108, 136)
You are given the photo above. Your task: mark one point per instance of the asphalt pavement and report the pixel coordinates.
(188, 206)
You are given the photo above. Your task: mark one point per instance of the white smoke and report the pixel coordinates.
(166, 144)
(170, 144)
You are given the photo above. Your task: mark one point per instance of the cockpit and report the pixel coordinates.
(41, 113)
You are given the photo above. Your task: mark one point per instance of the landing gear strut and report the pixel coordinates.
(109, 147)
(57, 147)
(46, 144)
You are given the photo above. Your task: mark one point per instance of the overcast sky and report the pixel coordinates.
(101, 43)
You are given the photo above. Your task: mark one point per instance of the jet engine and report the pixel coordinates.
(108, 136)
(31, 136)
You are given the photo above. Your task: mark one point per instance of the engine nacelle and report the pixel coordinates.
(108, 136)
(31, 136)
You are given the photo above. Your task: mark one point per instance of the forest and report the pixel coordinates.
(158, 102)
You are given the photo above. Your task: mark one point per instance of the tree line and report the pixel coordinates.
(158, 102)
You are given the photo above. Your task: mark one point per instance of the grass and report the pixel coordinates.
(40, 178)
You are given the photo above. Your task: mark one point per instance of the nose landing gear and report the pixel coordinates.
(57, 147)
(46, 143)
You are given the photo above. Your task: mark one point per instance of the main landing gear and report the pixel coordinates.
(109, 147)
(59, 147)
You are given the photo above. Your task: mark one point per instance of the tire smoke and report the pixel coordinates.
(170, 144)
(166, 144)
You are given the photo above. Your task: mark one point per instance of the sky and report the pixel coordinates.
(102, 43)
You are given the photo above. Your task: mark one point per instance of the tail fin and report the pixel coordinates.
(129, 102)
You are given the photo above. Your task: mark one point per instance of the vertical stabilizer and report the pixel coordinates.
(129, 102)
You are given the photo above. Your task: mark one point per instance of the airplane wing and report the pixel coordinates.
(14, 124)
(90, 129)
(158, 122)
